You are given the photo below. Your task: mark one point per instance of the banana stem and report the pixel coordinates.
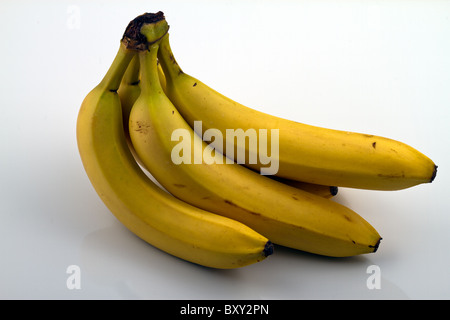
(149, 70)
(131, 76)
(168, 63)
(143, 34)
(144, 30)
(111, 81)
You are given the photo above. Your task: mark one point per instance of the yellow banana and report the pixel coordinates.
(129, 91)
(286, 215)
(145, 209)
(306, 153)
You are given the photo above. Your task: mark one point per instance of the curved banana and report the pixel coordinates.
(129, 91)
(145, 209)
(286, 215)
(306, 153)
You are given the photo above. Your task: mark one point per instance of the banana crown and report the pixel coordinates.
(144, 30)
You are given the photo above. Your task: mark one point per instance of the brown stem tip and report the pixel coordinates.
(334, 190)
(133, 38)
(375, 247)
(434, 173)
(268, 249)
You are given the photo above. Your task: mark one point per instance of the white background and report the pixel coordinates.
(378, 67)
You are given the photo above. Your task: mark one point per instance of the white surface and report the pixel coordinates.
(379, 67)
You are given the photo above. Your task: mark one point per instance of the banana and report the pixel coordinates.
(287, 216)
(129, 91)
(152, 214)
(306, 153)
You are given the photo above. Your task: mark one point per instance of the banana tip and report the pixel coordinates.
(433, 176)
(375, 247)
(268, 249)
(334, 191)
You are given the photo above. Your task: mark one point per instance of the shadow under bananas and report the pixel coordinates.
(116, 258)
(118, 261)
(313, 276)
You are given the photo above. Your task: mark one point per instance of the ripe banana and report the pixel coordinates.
(306, 153)
(288, 216)
(145, 209)
(129, 91)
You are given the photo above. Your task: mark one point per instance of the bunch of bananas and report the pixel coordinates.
(221, 212)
